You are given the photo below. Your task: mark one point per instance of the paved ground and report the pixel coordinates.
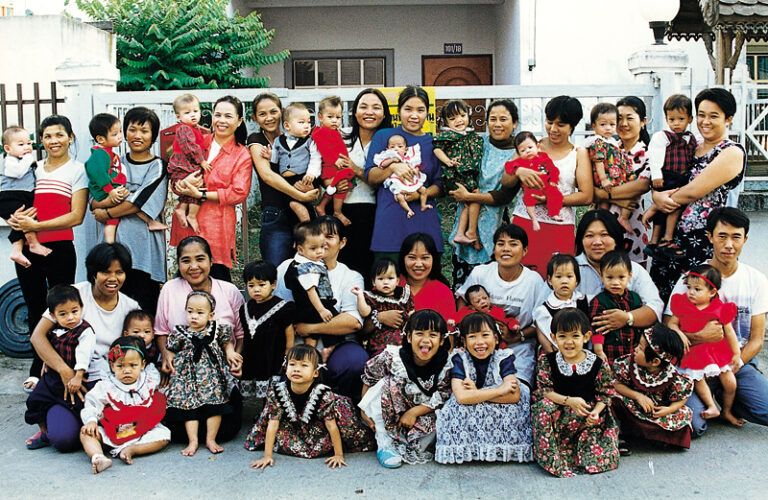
(726, 463)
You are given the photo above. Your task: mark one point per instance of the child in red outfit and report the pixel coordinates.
(336, 164)
(478, 300)
(530, 157)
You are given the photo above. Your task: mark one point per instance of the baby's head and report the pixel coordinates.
(571, 330)
(296, 121)
(658, 348)
(309, 239)
(604, 117)
(480, 334)
(105, 130)
(127, 358)
(678, 111)
(384, 277)
(16, 141)
(397, 142)
(526, 145)
(302, 364)
(200, 309)
(615, 272)
(260, 278)
(425, 331)
(563, 275)
(139, 323)
(187, 109)
(65, 305)
(329, 112)
(477, 298)
(455, 115)
(703, 282)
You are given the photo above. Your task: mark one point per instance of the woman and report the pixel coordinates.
(195, 259)
(61, 196)
(277, 220)
(563, 114)
(498, 148)
(370, 113)
(227, 184)
(105, 308)
(634, 141)
(391, 224)
(718, 167)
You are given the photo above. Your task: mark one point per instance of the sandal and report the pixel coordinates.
(30, 384)
(650, 250)
(624, 450)
(671, 248)
(37, 441)
(389, 458)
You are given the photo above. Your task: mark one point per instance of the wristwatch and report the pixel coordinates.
(630, 319)
(203, 194)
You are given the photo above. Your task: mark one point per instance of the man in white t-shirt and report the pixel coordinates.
(747, 287)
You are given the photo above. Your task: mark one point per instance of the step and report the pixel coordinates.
(753, 201)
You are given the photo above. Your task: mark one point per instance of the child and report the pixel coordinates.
(563, 277)
(398, 151)
(402, 388)
(573, 428)
(460, 150)
(615, 272)
(140, 323)
(304, 418)
(386, 295)
(478, 300)
(530, 157)
(485, 391)
(611, 167)
(334, 154)
(188, 156)
(651, 393)
(17, 190)
(75, 341)
(124, 410)
(670, 154)
(296, 154)
(691, 312)
(268, 324)
(200, 383)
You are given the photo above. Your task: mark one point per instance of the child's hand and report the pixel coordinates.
(90, 429)
(307, 180)
(205, 166)
(648, 215)
(645, 403)
(340, 163)
(606, 183)
(598, 348)
(510, 386)
(661, 411)
(408, 420)
(367, 420)
(335, 462)
(262, 463)
(75, 383)
(736, 363)
(578, 405)
(114, 197)
(658, 183)
(593, 417)
(357, 290)
(234, 360)
(686, 342)
(266, 152)
(469, 384)
(326, 315)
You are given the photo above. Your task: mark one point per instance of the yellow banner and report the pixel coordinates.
(391, 93)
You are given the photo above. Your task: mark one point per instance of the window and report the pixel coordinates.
(758, 67)
(339, 72)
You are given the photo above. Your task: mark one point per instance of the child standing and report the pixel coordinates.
(398, 151)
(386, 295)
(188, 157)
(691, 312)
(485, 390)
(17, 188)
(478, 300)
(615, 272)
(334, 152)
(402, 388)
(268, 329)
(304, 418)
(124, 410)
(75, 341)
(200, 382)
(460, 150)
(611, 167)
(651, 393)
(527, 148)
(573, 428)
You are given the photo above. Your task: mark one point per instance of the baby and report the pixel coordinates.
(478, 300)
(398, 151)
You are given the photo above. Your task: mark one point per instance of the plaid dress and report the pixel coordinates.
(621, 341)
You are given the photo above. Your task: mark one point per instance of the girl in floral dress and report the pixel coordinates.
(651, 393)
(488, 418)
(200, 381)
(402, 388)
(573, 428)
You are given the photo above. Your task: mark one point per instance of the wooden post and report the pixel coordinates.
(54, 100)
(19, 105)
(3, 114)
(720, 57)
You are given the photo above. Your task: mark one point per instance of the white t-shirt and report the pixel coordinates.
(362, 192)
(748, 289)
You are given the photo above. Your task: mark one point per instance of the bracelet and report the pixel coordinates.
(106, 211)
(630, 319)
(522, 336)
(565, 401)
(203, 194)
(375, 320)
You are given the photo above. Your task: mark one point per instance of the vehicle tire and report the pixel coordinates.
(14, 330)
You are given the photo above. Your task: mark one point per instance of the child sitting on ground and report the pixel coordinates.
(334, 154)
(398, 151)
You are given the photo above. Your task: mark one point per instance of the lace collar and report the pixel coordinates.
(315, 394)
(650, 380)
(255, 323)
(401, 301)
(581, 368)
(136, 394)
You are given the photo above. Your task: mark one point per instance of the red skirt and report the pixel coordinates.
(543, 244)
(633, 426)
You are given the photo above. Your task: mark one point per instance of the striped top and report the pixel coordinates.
(53, 196)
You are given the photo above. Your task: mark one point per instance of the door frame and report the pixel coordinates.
(452, 56)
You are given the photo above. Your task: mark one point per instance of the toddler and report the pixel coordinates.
(478, 300)
(530, 157)
(140, 323)
(460, 150)
(334, 154)
(398, 151)
(124, 410)
(17, 190)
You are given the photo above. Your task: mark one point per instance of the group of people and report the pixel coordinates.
(552, 341)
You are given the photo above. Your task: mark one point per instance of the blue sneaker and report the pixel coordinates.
(389, 459)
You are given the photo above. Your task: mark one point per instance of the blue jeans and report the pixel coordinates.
(751, 399)
(276, 238)
(345, 366)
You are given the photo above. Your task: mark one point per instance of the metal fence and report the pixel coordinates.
(22, 105)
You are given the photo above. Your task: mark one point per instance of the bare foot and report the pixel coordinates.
(344, 220)
(40, 249)
(426, 207)
(192, 221)
(191, 449)
(182, 216)
(155, 225)
(471, 235)
(100, 463)
(477, 245)
(536, 225)
(625, 224)
(710, 412)
(127, 455)
(462, 239)
(409, 214)
(214, 447)
(20, 259)
(732, 419)
(326, 354)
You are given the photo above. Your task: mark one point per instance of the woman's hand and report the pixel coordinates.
(367, 421)
(100, 214)
(66, 375)
(167, 366)
(593, 417)
(187, 189)
(235, 362)
(75, 383)
(409, 197)
(335, 462)
(664, 202)
(611, 319)
(581, 407)
(194, 179)
(529, 178)
(391, 319)
(90, 429)
(408, 420)
(23, 219)
(460, 194)
(645, 403)
(404, 171)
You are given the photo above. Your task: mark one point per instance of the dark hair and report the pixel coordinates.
(397, 135)
(615, 258)
(354, 133)
(303, 351)
(332, 101)
(412, 91)
(101, 123)
(505, 103)
(511, 231)
(724, 100)
(137, 315)
(667, 341)
(410, 242)
(381, 266)
(305, 229)
(678, 102)
(267, 96)
(202, 293)
(260, 270)
(332, 225)
(711, 274)
(54, 120)
(101, 257)
(194, 240)
(475, 321)
(602, 108)
(141, 115)
(610, 222)
(569, 319)
(425, 319)
(523, 136)
(565, 108)
(727, 215)
(130, 343)
(453, 108)
(241, 133)
(61, 294)
(474, 289)
(639, 106)
(563, 259)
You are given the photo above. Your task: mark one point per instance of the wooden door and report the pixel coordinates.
(457, 71)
